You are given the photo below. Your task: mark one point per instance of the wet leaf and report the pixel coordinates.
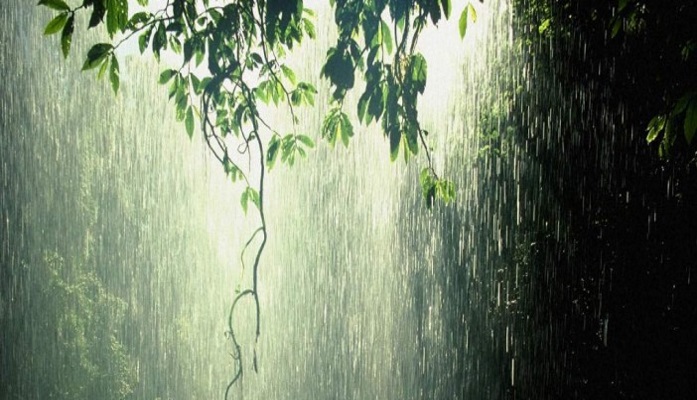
(386, 36)
(189, 122)
(114, 75)
(56, 24)
(462, 25)
(307, 141)
(59, 5)
(167, 75)
(272, 152)
(67, 36)
(96, 55)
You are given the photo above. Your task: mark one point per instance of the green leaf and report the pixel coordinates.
(445, 190)
(307, 141)
(159, 41)
(67, 36)
(655, 127)
(144, 39)
(98, 11)
(386, 36)
(56, 24)
(96, 55)
(244, 199)
(544, 26)
(463, 22)
(167, 75)
(395, 138)
(114, 75)
(447, 8)
(418, 69)
(250, 194)
(59, 5)
(102, 68)
(189, 122)
(691, 121)
(272, 152)
(616, 27)
(469, 13)
(288, 73)
(138, 18)
(117, 16)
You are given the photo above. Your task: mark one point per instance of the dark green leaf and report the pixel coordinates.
(67, 36)
(59, 5)
(346, 129)
(96, 55)
(447, 8)
(56, 24)
(395, 137)
(117, 16)
(159, 41)
(167, 75)
(144, 40)
(418, 70)
(98, 11)
(362, 107)
(138, 18)
(272, 152)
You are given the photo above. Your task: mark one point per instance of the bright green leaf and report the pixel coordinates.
(655, 127)
(289, 74)
(386, 36)
(473, 12)
(463, 22)
(102, 68)
(306, 141)
(56, 24)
